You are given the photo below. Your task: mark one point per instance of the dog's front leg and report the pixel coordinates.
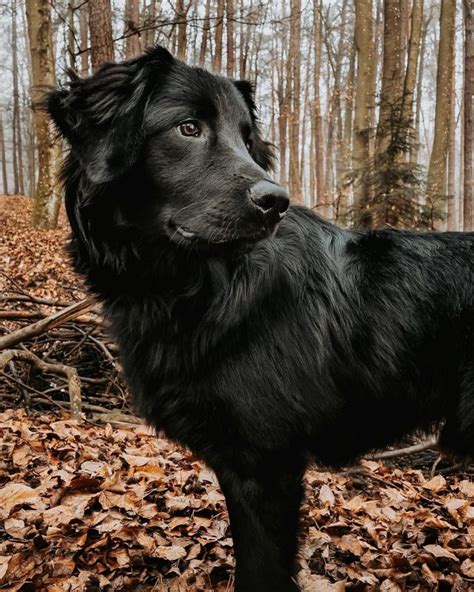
(263, 512)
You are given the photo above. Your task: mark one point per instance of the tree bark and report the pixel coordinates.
(131, 28)
(4, 157)
(47, 198)
(205, 34)
(17, 136)
(364, 93)
(181, 11)
(294, 116)
(451, 186)
(392, 77)
(317, 185)
(412, 64)
(415, 144)
(230, 66)
(444, 92)
(282, 94)
(100, 25)
(84, 40)
(219, 29)
(468, 99)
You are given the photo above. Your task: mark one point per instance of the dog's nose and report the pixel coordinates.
(270, 198)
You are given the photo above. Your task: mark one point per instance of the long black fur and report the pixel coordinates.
(258, 346)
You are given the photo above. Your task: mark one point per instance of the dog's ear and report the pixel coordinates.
(262, 151)
(102, 116)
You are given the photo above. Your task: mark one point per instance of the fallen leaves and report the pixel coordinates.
(86, 507)
(389, 530)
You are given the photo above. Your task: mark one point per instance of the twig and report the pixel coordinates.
(74, 383)
(25, 297)
(426, 445)
(58, 318)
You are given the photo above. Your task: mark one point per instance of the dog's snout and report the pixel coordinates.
(270, 198)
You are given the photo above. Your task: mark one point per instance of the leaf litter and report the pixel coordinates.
(91, 507)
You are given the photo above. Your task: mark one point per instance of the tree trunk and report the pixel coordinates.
(415, 144)
(451, 201)
(205, 34)
(319, 190)
(294, 117)
(100, 23)
(47, 196)
(364, 93)
(131, 28)
(391, 93)
(4, 158)
(282, 115)
(230, 38)
(468, 6)
(182, 10)
(84, 39)
(17, 136)
(444, 92)
(412, 64)
(219, 29)
(345, 143)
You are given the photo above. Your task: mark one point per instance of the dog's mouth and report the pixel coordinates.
(183, 235)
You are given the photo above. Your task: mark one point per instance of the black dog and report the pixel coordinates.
(256, 334)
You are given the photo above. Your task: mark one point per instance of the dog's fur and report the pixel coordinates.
(258, 346)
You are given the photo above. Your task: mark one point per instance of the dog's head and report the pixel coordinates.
(189, 136)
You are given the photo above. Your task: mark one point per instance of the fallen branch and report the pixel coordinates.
(425, 445)
(74, 383)
(54, 320)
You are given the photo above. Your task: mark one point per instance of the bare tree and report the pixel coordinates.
(100, 26)
(219, 29)
(84, 39)
(17, 135)
(294, 60)
(468, 6)
(364, 93)
(181, 11)
(444, 96)
(392, 73)
(412, 63)
(47, 196)
(230, 66)
(4, 157)
(205, 34)
(132, 28)
(317, 181)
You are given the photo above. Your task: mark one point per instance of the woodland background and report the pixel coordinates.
(369, 102)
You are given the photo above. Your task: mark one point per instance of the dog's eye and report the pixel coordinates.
(248, 145)
(190, 128)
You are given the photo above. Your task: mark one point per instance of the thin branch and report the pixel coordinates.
(40, 327)
(73, 380)
(425, 445)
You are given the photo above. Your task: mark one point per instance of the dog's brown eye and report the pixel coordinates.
(190, 128)
(248, 145)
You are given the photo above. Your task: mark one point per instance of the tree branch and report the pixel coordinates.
(73, 380)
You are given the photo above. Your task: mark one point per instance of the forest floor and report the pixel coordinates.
(105, 505)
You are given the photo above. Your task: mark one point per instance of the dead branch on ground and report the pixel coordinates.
(73, 380)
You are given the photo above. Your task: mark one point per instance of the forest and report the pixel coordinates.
(369, 103)
(369, 107)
